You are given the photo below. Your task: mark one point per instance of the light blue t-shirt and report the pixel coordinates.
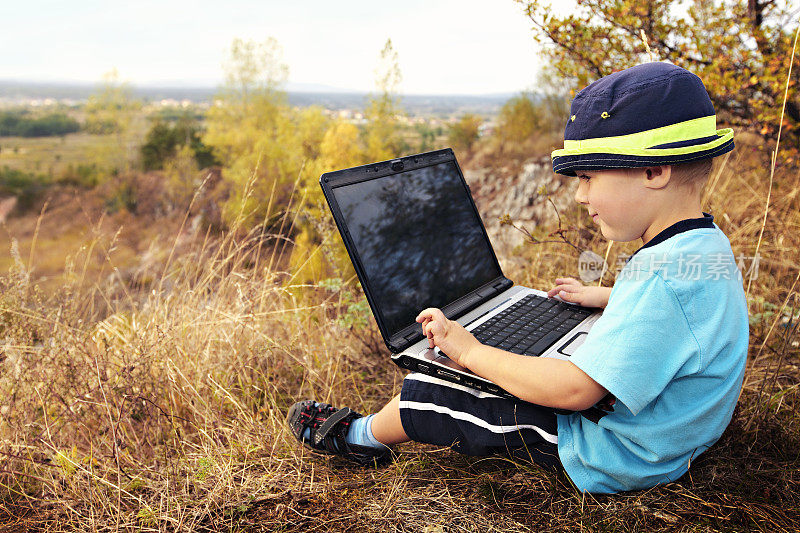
(671, 347)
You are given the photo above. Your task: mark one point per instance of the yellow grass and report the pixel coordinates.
(157, 404)
(144, 384)
(52, 155)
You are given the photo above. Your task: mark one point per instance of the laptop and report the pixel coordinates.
(416, 240)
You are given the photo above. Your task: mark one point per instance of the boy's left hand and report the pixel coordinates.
(448, 335)
(572, 290)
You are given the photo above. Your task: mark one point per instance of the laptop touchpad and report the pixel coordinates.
(437, 357)
(570, 346)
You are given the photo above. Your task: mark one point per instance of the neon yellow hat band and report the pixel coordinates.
(690, 129)
(607, 147)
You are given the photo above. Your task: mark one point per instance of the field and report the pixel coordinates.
(51, 155)
(145, 383)
(55, 156)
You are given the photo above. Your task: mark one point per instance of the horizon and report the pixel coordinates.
(288, 87)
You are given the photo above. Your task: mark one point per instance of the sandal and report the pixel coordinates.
(328, 428)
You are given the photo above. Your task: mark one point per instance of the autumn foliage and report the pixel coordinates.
(741, 50)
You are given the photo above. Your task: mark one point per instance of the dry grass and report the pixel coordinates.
(55, 155)
(156, 402)
(158, 405)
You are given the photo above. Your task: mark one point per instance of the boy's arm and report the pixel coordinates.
(573, 291)
(540, 380)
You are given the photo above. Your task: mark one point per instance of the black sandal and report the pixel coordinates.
(329, 427)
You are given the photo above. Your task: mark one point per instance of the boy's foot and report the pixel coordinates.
(323, 428)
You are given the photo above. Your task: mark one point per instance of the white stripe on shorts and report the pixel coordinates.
(458, 415)
(436, 381)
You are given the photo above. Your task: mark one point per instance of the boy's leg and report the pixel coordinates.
(387, 426)
(438, 412)
(433, 411)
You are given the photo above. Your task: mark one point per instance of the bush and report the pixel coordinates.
(465, 132)
(22, 185)
(164, 139)
(121, 197)
(519, 118)
(529, 124)
(87, 175)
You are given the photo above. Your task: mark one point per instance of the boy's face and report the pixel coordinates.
(617, 200)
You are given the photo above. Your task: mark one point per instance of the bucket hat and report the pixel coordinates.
(650, 114)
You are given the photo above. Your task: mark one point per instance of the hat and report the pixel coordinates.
(650, 114)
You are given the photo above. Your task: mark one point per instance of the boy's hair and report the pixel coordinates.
(693, 174)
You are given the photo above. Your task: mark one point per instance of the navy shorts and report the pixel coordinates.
(438, 412)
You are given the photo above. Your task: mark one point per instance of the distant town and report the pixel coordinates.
(346, 104)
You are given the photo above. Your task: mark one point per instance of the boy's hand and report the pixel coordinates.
(572, 290)
(448, 335)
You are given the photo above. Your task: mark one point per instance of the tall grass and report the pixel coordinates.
(128, 406)
(160, 406)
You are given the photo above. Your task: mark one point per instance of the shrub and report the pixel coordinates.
(24, 186)
(164, 139)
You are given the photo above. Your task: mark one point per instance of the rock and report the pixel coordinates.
(498, 193)
(6, 206)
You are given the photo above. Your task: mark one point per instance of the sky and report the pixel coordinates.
(443, 46)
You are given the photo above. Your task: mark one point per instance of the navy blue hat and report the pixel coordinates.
(650, 114)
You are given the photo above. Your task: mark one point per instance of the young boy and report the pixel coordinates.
(657, 378)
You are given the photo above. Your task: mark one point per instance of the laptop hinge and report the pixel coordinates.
(476, 298)
(502, 284)
(405, 338)
(413, 334)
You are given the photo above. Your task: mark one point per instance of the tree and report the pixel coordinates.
(112, 110)
(159, 145)
(340, 147)
(519, 118)
(382, 132)
(740, 49)
(181, 175)
(427, 136)
(465, 132)
(164, 140)
(249, 129)
(20, 124)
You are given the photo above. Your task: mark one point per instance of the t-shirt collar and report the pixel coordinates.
(706, 221)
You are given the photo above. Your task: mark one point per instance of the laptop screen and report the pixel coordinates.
(419, 240)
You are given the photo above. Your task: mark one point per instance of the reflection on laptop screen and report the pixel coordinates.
(419, 240)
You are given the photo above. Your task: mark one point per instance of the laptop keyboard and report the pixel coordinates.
(531, 325)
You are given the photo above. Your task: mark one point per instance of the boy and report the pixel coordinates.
(657, 378)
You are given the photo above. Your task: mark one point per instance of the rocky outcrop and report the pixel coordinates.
(520, 195)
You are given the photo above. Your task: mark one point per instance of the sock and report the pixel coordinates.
(360, 433)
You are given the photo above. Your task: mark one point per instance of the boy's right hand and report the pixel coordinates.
(572, 290)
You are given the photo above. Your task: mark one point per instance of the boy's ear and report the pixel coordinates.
(657, 177)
